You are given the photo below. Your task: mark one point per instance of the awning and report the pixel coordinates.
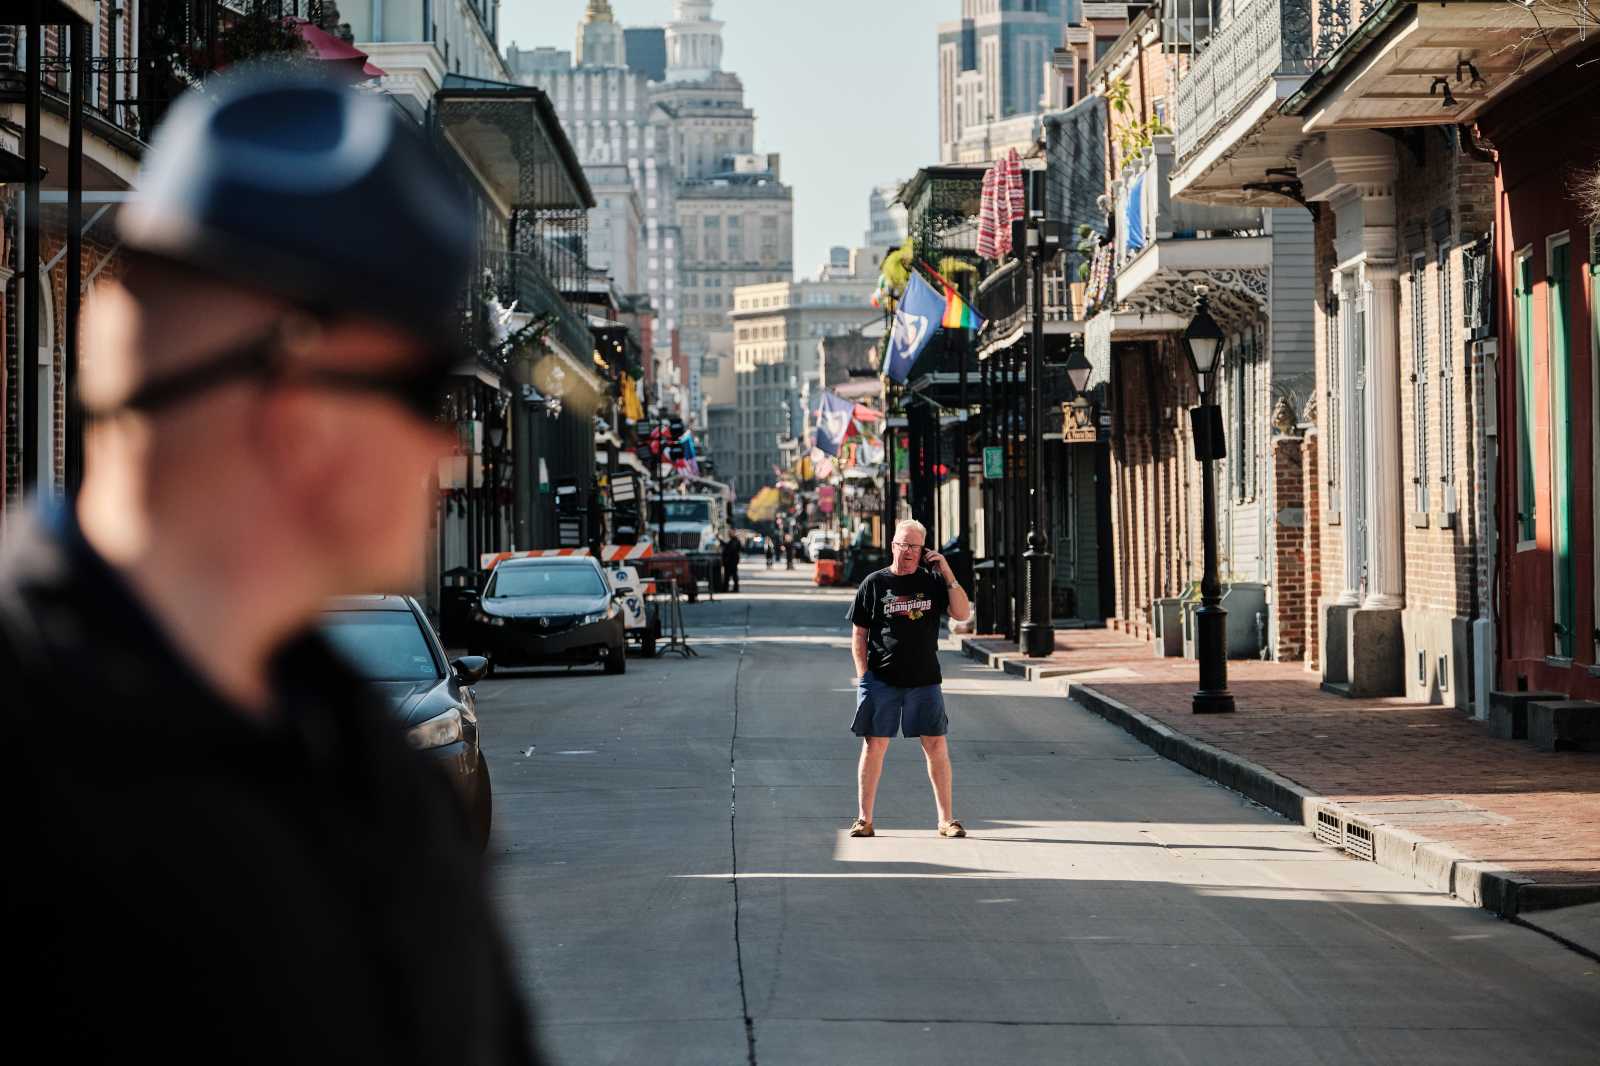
(342, 56)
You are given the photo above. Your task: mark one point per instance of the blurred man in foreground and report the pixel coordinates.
(221, 849)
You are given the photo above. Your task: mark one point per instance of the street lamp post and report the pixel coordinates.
(1203, 341)
(1038, 637)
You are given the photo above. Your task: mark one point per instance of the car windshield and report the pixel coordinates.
(545, 579)
(382, 645)
(688, 511)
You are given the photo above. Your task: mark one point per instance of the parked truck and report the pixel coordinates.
(692, 517)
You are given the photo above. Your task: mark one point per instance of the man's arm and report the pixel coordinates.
(858, 649)
(960, 606)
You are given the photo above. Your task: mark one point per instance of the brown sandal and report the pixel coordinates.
(861, 828)
(952, 828)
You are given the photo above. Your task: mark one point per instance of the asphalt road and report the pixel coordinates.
(671, 860)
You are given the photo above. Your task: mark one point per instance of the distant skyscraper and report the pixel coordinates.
(647, 51)
(716, 214)
(994, 68)
(694, 41)
(600, 39)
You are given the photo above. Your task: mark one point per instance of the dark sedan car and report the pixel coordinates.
(390, 641)
(549, 611)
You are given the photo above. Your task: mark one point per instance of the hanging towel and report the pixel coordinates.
(988, 216)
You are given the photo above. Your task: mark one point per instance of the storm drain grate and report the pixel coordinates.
(1329, 829)
(1358, 841)
(1348, 836)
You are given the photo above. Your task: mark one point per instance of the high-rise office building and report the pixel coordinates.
(995, 67)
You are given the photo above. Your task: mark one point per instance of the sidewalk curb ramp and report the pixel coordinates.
(1504, 892)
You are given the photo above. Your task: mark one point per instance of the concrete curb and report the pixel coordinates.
(1435, 864)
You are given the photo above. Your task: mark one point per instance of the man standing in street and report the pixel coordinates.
(896, 618)
(731, 548)
(222, 847)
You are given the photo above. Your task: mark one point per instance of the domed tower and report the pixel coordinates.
(600, 40)
(694, 41)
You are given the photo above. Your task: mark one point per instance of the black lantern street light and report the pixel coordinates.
(1203, 342)
(1038, 638)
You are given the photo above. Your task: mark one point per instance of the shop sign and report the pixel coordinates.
(1078, 423)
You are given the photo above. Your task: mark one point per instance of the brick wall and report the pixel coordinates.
(1154, 483)
(97, 255)
(1289, 547)
(1444, 203)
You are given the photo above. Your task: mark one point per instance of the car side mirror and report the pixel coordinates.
(469, 669)
(623, 591)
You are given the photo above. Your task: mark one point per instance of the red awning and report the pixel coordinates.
(330, 49)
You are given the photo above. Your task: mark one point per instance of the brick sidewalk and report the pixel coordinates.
(1542, 810)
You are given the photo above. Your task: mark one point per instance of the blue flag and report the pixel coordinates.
(833, 422)
(918, 315)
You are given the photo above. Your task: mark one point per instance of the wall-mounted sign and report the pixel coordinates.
(1078, 423)
(994, 462)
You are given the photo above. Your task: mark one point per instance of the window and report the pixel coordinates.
(1419, 387)
(1594, 408)
(1563, 482)
(1237, 453)
(382, 645)
(1447, 383)
(1522, 299)
(1330, 402)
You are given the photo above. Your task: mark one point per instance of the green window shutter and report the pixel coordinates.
(1563, 484)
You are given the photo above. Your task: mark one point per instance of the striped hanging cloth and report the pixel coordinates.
(1014, 184)
(988, 216)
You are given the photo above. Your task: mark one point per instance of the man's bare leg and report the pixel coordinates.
(873, 750)
(937, 752)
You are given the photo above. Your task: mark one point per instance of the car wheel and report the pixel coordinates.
(617, 661)
(483, 805)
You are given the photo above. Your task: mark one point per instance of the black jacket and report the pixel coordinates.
(188, 885)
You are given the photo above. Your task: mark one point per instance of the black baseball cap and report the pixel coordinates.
(304, 188)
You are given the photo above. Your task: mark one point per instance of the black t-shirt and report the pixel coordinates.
(190, 885)
(901, 613)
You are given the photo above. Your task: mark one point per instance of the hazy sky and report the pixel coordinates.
(846, 90)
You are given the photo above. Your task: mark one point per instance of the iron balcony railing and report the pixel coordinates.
(515, 277)
(1146, 210)
(1265, 39)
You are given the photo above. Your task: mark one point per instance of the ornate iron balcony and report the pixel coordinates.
(1265, 40)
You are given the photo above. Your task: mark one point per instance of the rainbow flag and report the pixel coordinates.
(957, 315)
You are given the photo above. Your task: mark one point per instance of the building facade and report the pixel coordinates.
(41, 451)
(418, 42)
(995, 66)
(1546, 331)
(777, 332)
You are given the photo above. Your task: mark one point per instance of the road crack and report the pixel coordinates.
(733, 847)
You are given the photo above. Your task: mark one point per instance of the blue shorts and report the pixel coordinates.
(883, 709)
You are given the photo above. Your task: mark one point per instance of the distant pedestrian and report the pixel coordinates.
(788, 551)
(730, 561)
(222, 847)
(772, 552)
(896, 649)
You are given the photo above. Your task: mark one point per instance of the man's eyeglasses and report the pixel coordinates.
(900, 545)
(264, 359)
